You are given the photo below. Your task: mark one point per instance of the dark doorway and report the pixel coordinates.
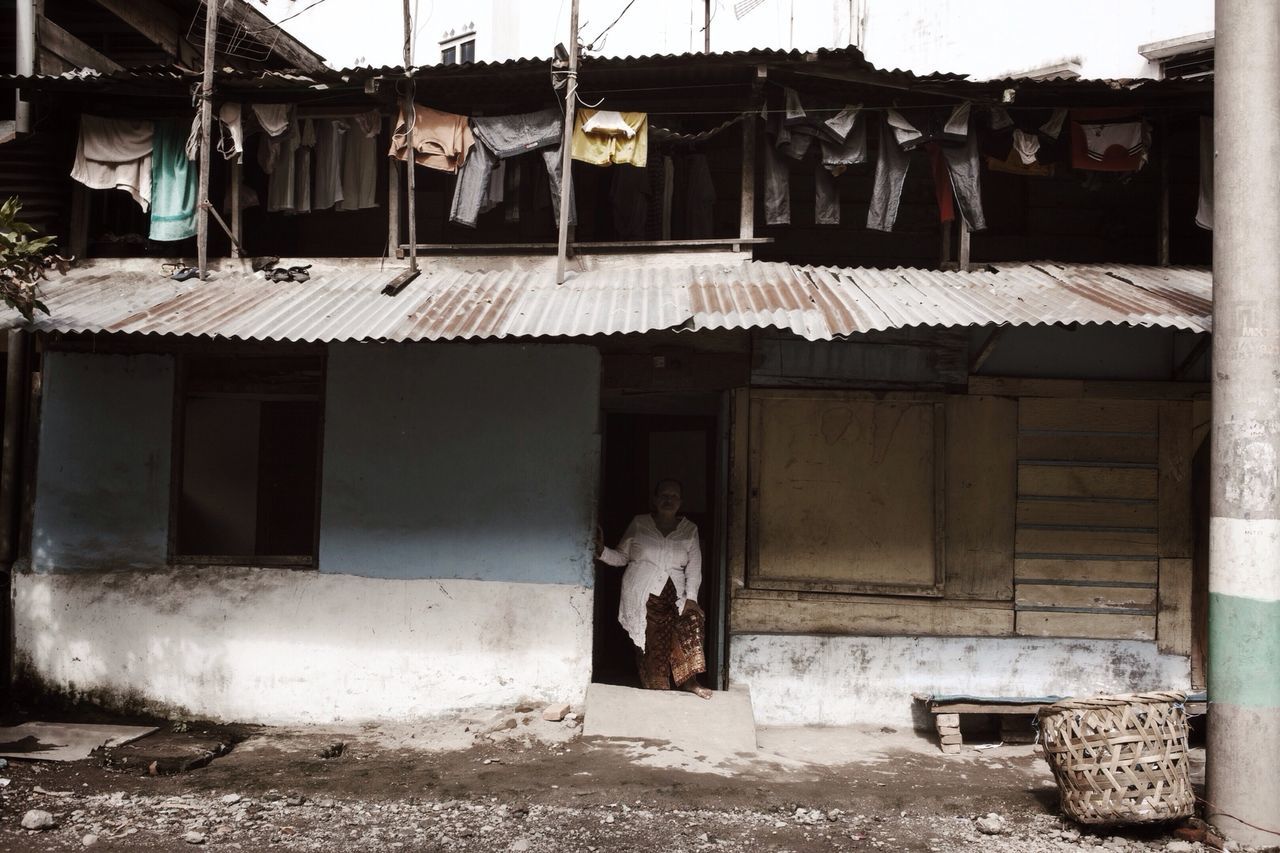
(640, 448)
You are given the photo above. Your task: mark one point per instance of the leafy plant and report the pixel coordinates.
(24, 259)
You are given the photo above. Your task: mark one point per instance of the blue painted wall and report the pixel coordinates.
(102, 480)
(460, 461)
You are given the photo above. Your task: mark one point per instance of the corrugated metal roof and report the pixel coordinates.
(346, 303)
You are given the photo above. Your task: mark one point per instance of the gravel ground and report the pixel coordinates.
(487, 785)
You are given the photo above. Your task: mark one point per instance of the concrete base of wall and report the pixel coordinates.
(283, 646)
(821, 680)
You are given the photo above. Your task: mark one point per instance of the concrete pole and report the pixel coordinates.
(566, 162)
(1243, 774)
(24, 49)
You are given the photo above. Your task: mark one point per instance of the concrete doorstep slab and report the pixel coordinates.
(724, 724)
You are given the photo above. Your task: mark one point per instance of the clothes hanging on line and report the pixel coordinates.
(1028, 145)
(1111, 139)
(115, 154)
(441, 140)
(790, 133)
(1204, 210)
(360, 162)
(302, 167)
(273, 118)
(613, 138)
(173, 184)
(699, 198)
(230, 131)
(498, 138)
(959, 160)
(282, 179)
(629, 192)
(330, 138)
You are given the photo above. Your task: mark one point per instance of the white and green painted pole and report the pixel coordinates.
(1243, 774)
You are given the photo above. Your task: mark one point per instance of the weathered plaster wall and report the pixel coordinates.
(102, 482)
(461, 461)
(829, 680)
(288, 646)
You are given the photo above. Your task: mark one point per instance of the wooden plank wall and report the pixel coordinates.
(1086, 560)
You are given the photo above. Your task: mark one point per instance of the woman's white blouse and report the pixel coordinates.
(651, 559)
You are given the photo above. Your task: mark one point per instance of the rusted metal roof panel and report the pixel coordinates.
(346, 303)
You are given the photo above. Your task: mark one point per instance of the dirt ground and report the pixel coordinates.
(514, 782)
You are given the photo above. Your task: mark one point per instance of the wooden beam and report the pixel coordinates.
(78, 240)
(393, 208)
(988, 347)
(236, 230)
(69, 48)
(400, 282)
(1197, 352)
(1013, 386)
(152, 19)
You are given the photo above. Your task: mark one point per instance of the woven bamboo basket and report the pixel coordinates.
(1119, 759)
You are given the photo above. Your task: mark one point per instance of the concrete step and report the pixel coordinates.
(724, 724)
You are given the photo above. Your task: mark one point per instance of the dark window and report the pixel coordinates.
(467, 51)
(249, 459)
(449, 56)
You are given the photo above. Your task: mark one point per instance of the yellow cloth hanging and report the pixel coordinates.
(607, 141)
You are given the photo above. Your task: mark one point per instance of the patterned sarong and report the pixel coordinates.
(672, 642)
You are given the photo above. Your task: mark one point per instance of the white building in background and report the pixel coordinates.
(982, 38)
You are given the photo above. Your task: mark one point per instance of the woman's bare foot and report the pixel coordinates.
(692, 686)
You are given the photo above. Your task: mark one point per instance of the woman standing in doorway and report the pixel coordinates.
(659, 607)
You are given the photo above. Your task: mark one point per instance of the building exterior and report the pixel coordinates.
(928, 459)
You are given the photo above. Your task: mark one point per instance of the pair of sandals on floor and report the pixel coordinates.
(266, 266)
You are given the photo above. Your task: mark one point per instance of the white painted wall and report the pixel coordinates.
(983, 38)
(280, 646)
(836, 681)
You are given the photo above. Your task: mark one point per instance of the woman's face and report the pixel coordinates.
(666, 500)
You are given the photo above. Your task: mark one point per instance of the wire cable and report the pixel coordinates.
(605, 31)
(276, 24)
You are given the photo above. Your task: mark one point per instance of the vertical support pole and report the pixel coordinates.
(1162, 252)
(566, 163)
(237, 231)
(944, 247)
(410, 120)
(1244, 529)
(964, 243)
(206, 124)
(25, 54)
(393, 207)
(747, 203)
(706, 26)
(78, 243)
(747, 207)
(15, 390)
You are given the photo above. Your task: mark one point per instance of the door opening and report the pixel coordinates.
(639, 449)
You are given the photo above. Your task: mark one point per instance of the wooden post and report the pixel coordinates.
(944, 250)
(706, 27)
(964, 244)
(79, 237)
(408, 140)
(206, 124)
(747, 205)
(237, 231)
(566, 163)
(393, 207)
(1162, 252)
